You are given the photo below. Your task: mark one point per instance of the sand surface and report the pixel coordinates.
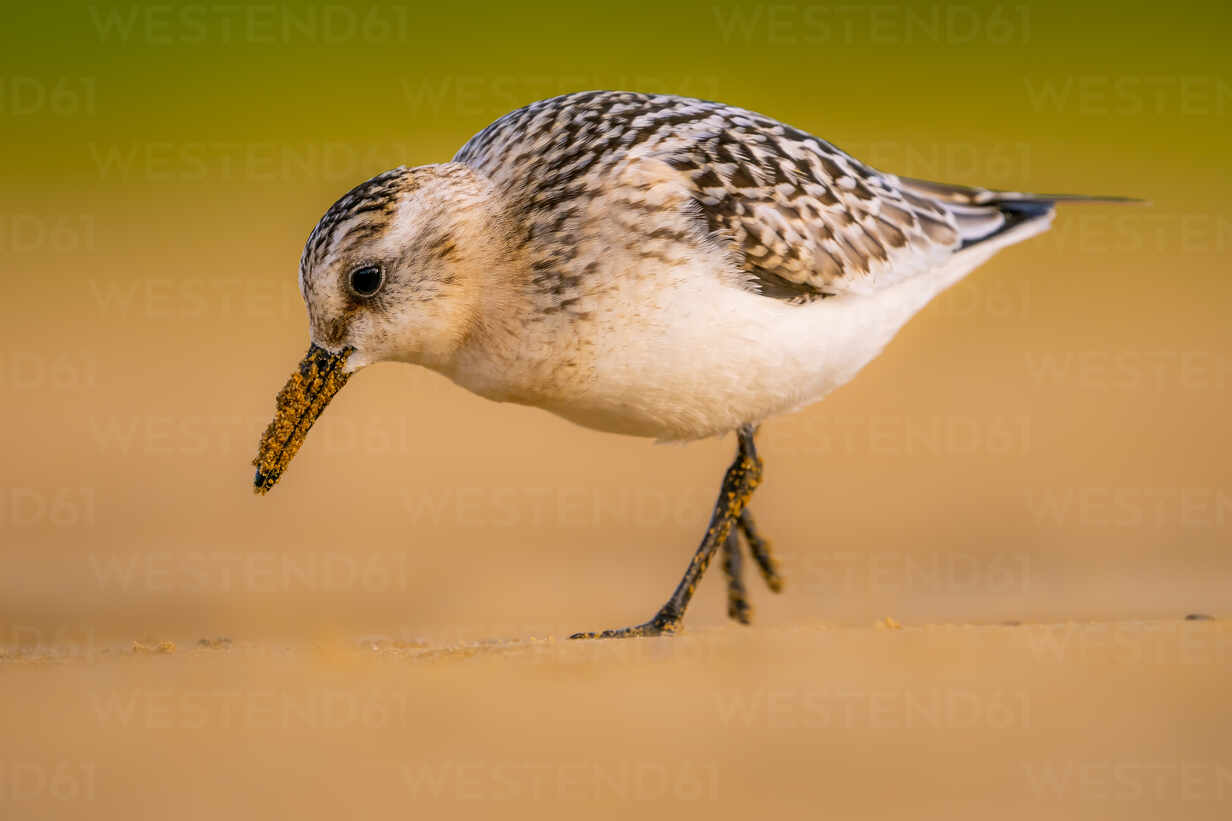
(1072, 720)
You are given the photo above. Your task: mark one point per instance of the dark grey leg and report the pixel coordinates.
(738, 606)
(738, 485)
(760, 548)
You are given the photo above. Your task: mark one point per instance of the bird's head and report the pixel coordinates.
(393, 271)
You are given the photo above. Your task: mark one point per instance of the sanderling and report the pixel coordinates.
(648, 265)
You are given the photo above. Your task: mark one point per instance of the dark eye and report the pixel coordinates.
(367, 280)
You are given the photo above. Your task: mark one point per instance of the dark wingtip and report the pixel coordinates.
(1015, 213)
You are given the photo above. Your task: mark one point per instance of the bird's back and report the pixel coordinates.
(801, 217)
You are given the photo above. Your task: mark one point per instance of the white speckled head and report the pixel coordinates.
(394, 268)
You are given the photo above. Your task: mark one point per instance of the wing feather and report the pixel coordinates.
(799, 216)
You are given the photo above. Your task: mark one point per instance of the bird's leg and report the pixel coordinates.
(738, 606)
(738, 485)
(760, 548)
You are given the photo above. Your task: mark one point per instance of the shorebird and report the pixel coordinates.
(641, 264)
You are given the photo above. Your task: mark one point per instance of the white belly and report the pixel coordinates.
(683, 355)
(727, 357)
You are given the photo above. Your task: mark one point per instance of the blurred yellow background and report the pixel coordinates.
(1048, 441)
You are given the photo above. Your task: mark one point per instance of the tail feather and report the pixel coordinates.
(984, 213)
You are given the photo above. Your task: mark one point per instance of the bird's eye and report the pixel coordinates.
(367, 280)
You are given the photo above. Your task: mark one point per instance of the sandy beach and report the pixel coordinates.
(1073, 720)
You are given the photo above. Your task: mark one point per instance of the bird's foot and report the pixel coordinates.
(738, 607)
(663, 624)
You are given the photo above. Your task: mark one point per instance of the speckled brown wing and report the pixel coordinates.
(801, 217)
(806, 219)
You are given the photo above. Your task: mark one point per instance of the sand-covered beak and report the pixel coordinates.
(300, 402)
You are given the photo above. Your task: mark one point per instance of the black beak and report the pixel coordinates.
(319, 376)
